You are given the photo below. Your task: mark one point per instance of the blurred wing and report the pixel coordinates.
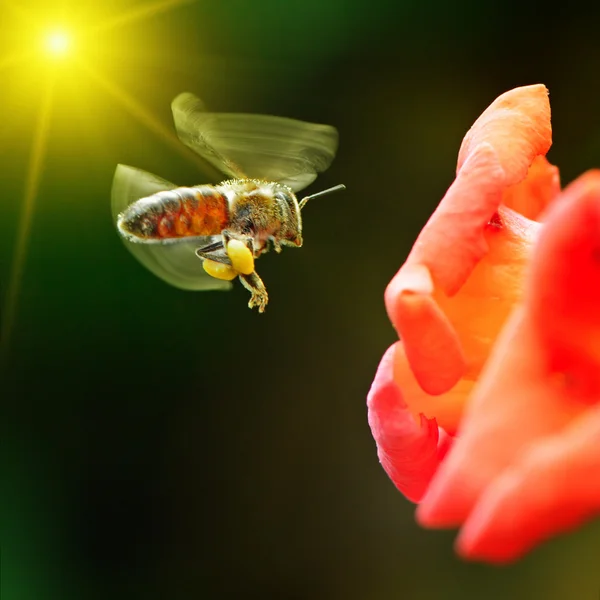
(176, 264)
(257, 146)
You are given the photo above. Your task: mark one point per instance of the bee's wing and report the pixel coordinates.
(256, 146)
(176, 264)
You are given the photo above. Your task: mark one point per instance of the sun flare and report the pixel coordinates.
(41, 51)
(57, 43)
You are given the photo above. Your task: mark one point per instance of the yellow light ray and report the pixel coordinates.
(144, 116)
(135, 108)
(24, 226)
(141, 12)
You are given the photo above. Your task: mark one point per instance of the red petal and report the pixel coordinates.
(565, 283)
(551, 485)
(553, 488)
(409, 451)
(430, 341)
(452, 241)
(517, 126)
(446, 408)
(479, 310)
(521, 397)
(496, 153)
(532, 195)
(514, 403)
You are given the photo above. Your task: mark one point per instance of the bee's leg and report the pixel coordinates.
(254, 284)
(247, 240)
(218, 255)
(240, 249)
(210, 248)
(276, 244)
(217, 263)
(217, 251)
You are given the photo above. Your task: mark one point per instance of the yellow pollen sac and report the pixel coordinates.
(219, 270)
(241, 257)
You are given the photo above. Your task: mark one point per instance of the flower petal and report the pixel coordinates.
(514, 403)
(527, 391)
(457, 237)
(480, 309)
(452, 241)
(431, 344)
(517, 126)
(447, 339)
(410, 450)
(565, 283)
(446, 408)
(496, 153)
(553, 488)
(532, 195)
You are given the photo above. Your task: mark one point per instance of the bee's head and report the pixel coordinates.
(291, 228)
(291, 221)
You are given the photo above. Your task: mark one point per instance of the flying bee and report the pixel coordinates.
(202, 237)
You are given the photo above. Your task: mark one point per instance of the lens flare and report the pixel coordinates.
(46, 47)
(57, 43)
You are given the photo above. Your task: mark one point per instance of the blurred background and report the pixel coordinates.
(169, 444)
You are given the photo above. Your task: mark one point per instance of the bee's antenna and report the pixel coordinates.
(327, 191)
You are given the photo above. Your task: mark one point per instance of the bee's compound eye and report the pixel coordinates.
(219, 270)
(240, 256)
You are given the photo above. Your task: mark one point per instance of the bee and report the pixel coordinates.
(202, 237)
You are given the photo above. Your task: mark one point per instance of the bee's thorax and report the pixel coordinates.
(265, 210)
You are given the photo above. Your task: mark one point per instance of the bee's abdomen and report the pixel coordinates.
(182, 212)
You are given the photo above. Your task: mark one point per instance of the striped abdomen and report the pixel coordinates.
(173, 214)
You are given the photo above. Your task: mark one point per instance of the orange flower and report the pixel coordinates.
(469, 271)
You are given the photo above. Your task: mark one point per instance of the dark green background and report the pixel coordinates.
(167, 444)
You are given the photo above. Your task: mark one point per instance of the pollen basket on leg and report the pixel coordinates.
(241, 257)
(219, 270)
